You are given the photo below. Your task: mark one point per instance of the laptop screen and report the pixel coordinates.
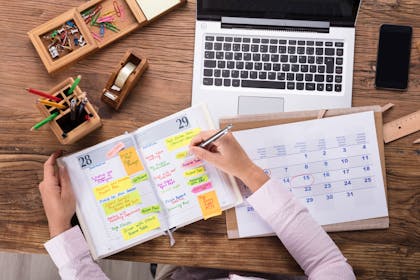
(337, 12)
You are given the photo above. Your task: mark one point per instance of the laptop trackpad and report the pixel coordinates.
(249, 105)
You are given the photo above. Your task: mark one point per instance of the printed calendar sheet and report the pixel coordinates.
(332, 165)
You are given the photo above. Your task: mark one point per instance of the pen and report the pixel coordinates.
(43, 94)
(74, 85)
(53, 104)
(216, 136)
(81, 107)
(73, 112)
(44, 121)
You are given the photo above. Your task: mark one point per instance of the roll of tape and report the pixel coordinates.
(124, 73)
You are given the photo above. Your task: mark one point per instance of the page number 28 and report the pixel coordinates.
(182, 122)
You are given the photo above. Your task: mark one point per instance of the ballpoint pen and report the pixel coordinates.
(73, 113)
(216, 136)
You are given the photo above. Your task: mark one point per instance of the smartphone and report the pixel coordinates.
(393, 57)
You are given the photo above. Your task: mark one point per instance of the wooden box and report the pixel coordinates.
(110, 94)
(64, 129)
(58, 43)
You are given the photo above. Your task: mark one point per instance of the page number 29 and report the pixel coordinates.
(182, 122)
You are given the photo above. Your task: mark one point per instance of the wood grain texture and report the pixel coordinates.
(166, 88)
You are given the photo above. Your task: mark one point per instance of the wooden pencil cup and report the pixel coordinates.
(123, 79)
(66, 130)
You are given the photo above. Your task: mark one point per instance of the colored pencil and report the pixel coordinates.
(53, 104)
(43, 94)
(44, 121)
(74, 85)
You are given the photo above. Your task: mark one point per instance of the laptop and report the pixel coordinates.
(266, 56)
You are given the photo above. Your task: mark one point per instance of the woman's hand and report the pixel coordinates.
(227, 154)
(57, 196)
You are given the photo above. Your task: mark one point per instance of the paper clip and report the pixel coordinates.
(117, 8)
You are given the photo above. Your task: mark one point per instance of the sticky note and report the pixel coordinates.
(140, 178)
(181, 139)
(131, 160)
(151, 209)
(209, 204)
(153, 8)
(118, 147)
(142, 227)
(122, 202)
(198, 180)
(182, 155)
(112, 188)
(194, 172)
(201, 188)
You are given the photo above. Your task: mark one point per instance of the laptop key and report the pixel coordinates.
(220, 39)
(263, 84)
(227, 47)
(290, 85)
(229, 55)
(244, 74)
(267, 66)
(273, 49)
(311, 59)
(282, 42)
(337, 88)
(339, 61)
(236, 47)
(309, 77)
(228, 39)
(319, 51)
(230, 65)
(249, 65)
(225, 73)
(253, 74)
(264, 41)
(301, 50)
(310, 86)
(257, 65)
(276, 67)
(209, 54)
(329, 62)
(319, 43)
(217, 72)
(209, 38)
(240, 65)
(281, 76)
(319, 78)
(321, 68)
(295, 67)
(340, 52)
(262, 75)
(226, 82)
(237, 39)
(301, 43)
(282, 49)
(265, 57)
(218, 82)
(285, 67)
(210, 63)
(302, 59)
(304, 68)
(310, 51)
(300, 86)
(221, 64)
(290, 76)
(245, 47)
(312, 68)
(236, 82)
(320, 87)
(246, 40)
(238, 56)
(284, 58)
(339, 44)
(275, 58)
(291, 50)
(329, 87)
(274, 41)
(218, 46)
(247, 56)
(293, 59)
(234, 74)
(338, 79)
(208, 46)
(299, 77)
(271, 75)
(220, 55)
(328, 44)
(329, 51)
(208, 81)
(255, 48)
(339, 70)
(319, 60)
(208, 72)
(263, 48)
(256, 40)
(329, 78)
(310, 43)
(292, 42)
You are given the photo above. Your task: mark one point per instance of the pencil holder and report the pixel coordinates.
(123, 79)
(65, 127)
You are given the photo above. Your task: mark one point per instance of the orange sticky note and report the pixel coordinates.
(131, 160)
(209, 204)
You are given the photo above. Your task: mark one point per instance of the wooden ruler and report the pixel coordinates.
(402, 127)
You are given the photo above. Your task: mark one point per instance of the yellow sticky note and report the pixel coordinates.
(198, 180)
(194, 172)
(182, 155)
(209, 204)
(112, 188)
(151, 209)
(131, 160)
(181, 139)
(121, 203)
(142, 227)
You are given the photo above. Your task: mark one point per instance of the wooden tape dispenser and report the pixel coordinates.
(123, 79)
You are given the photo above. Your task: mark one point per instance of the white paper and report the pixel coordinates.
(332, 165)
(153, 8)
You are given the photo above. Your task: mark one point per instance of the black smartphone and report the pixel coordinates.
(393, 57)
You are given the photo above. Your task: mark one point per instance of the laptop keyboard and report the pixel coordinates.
(288, 64)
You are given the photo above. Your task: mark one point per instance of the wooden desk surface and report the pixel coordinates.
(166, 88)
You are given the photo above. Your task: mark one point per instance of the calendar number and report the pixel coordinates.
(365, 157)
(346, 171)
(327, 186)
(306, 177)
(307, 189)
(329, 196)
(366, 168)
(345, 160)
(326, 174)
(286, 180)
(84, 161)
(182, 122)
(347, 183)
(368, 180)
(309, 200)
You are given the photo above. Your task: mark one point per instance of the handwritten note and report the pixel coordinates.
(140, 178)
(118, 147)
(131, 160)
(112, 188)
(198, 180)
(122, 202)
(181, 139)
(194, 172)
(151, 209)
(141, 227)
(201, 188)
(209, 205)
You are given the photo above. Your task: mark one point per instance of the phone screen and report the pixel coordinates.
(393, 57)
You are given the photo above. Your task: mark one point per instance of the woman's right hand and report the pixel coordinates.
(227, 154)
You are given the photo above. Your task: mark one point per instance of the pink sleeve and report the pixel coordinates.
(70, 253)
(306, 241)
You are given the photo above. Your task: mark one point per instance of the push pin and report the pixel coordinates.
(53, 52)
(73, 31)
